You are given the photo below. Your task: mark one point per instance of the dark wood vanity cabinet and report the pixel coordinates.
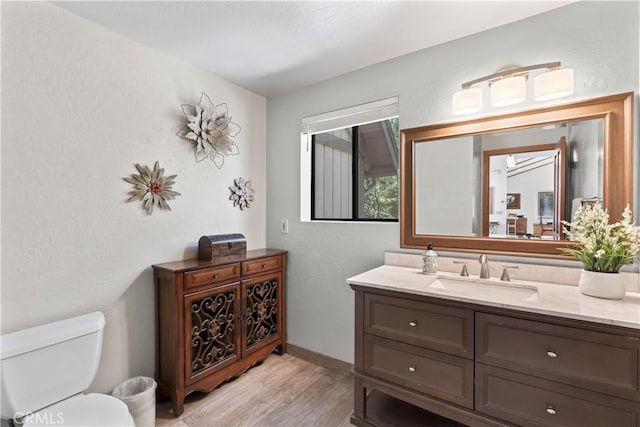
(484, 366)
(215, 319)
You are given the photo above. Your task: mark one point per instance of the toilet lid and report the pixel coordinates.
(83, 410)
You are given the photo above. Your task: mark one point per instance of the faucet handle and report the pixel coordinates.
(464, 272)
(505, 274)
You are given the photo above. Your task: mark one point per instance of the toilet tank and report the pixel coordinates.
(45, 364)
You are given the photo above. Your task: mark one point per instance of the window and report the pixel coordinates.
(353, 170)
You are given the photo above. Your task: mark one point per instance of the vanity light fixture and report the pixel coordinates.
(508, 87)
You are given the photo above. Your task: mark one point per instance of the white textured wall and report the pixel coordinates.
(81, 106)
(598, 39)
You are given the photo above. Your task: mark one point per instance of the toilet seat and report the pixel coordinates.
(83, 410)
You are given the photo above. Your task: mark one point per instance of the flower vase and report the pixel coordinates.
(601, 285)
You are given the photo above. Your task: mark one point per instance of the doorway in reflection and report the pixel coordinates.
(522, 197)
(531, 189)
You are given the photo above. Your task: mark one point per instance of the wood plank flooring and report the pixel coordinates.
(283, 391)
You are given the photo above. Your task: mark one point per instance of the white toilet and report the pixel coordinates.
(46, 368)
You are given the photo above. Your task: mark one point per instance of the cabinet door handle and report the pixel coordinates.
(264, 264)
(413, 324)
(551, 410)
(215, 275)
(412, 368)
(552, 354)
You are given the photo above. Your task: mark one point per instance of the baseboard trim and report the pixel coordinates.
(325, 361)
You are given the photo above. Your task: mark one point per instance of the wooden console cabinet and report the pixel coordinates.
(543, 229)
(215, 319)
(486, 366)
(517, 226)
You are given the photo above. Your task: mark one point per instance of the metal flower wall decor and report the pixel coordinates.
(152, 187)
(241, 193)
(210, 128)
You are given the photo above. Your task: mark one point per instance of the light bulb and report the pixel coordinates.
(467, 101)
(508, 91)
(553, 84)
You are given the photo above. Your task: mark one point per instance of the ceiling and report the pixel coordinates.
(273, 47)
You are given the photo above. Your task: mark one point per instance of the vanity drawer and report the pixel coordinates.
(605, 362)
(211, 275)
(529, 401)
(260, 265)
(440, 375)
(438, 327)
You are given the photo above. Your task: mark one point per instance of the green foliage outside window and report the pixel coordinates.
(381, 197)
(381, 193)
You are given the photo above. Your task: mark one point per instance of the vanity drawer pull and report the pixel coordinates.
(413, 324)
(412, 368)
(215, 275)
(551, 410)
(552, 354)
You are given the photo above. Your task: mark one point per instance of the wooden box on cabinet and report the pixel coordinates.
(215, 319)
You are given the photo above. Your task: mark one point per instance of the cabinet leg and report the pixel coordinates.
(360, 399)
(177, 403)
(281, 349)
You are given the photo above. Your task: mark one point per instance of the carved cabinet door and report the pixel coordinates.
(262, 306)
(212, 330)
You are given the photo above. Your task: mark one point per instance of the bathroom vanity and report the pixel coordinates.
(215, 319)
(495, 354)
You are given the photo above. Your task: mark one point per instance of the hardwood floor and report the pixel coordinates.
(283, 391)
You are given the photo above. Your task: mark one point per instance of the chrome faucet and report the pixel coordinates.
(484, 267)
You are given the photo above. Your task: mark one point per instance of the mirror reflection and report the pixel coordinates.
(515, 179)
(515, 184)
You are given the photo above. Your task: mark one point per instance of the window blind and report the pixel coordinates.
(351, 116)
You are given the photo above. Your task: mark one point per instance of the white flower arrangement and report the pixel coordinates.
(602, 247)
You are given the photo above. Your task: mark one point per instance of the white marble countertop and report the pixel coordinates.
(551, 299)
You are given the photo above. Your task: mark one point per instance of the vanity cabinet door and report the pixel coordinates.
(437, 327)
(211, 330)
(262, 311)
(595, 360)
(529, 401)
(437, 374)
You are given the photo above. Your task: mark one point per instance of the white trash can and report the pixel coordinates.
(139, 393)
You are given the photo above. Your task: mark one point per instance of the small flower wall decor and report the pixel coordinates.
(152, 187)
(241, 193)
(210, 128)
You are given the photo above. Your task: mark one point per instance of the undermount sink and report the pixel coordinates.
(483, 287)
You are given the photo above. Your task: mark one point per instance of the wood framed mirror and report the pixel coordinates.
(448, 196)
